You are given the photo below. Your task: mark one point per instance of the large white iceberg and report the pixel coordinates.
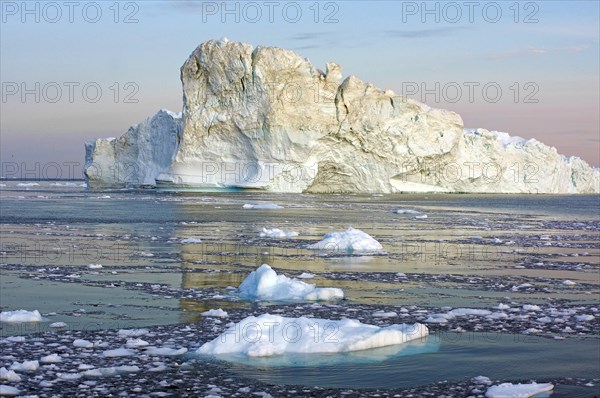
(266, 284)
(20, 316)
(270, 335)
(266, 118)
(349, 241)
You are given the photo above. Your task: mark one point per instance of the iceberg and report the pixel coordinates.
(266, 284)
(273, 335)
(509, 390)
(20, 316)
(349, 241)
(266, 119)
(276, 233)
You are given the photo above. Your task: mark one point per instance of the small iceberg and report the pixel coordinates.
(509, 390)
(273, 335)
(276, 233)
(219, 313)
(350, 241)
(190, 240)
(406, 211)
(249, 206)
(20, 316)
(266, 284)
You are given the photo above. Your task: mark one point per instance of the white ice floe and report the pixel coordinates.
(584, 318)
(57, 325)
(52, 358)
(8, 391)
(136, 343)
(531, 307)
(219, 313)
(569, 282)
(28, 184)
(9, 375)
(421, 216)
(349, 241)
(306, 275)
(457, 312)
(80, 343)
(20, 316)
(118, 352)
(383, 314)
(132, 332)
(190, 240)
(112, 371)
(266, 284)
(406, 211)
(94, 266)
(25, 366)
(249, 206)
(271, 335)
(165, 351)
(509, 390)
(277, 233)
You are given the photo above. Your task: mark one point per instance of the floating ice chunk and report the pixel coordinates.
(219, 313)
(165, 351)
(349, 241)
(25, 366)
(52, 358)
(584, 318)
(190, 240)
(9, 375)
(270, 335)
(135, 343)
(530, 307)
(569, 283)
(482, 380)
(502, 307)
(8, 391)
(421, 216)
(58, 325)
(277, 233)
(383, 314)
(249, 206)
(469, 311)
(497, 315)
(94, 266)
(20, 316)
(509, 390)
(118, 352)
(13, 339)
(132, 332)
(112, 371)
(306, 275)
(28, 184)
(80, 343)
(406, 211)
(266, 284)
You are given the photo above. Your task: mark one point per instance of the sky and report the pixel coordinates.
(75, 71)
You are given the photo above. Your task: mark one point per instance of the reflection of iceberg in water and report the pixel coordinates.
(425, 345)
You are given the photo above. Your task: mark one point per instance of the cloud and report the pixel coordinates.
(538, 51)
(425, 33)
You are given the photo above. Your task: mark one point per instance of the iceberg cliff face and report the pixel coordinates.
(137, 157)
(265, 118)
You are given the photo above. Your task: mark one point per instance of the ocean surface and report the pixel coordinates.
(472, 251)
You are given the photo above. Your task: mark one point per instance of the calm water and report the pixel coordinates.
(136, 236)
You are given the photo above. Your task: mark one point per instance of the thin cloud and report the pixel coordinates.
(535, 52)
(425, 33)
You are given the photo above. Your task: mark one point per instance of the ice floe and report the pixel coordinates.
(349, 241)
(219, 313)
(509, 390)
(190, 240)
(249, 206)
(266, 284)
(277, 233)
(271, 335)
